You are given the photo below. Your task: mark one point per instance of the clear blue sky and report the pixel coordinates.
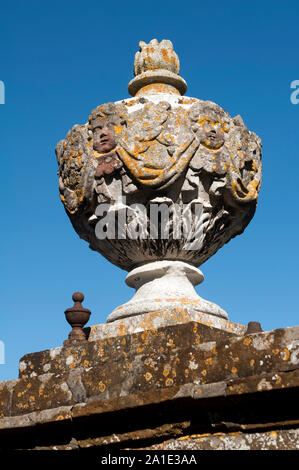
(59, 60)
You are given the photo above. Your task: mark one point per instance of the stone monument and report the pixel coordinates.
(159, 182)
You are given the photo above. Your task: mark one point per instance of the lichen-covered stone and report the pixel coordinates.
(190, 359)
(165, 150)
(186, 386)
(166, 317)
(6, 391)
(271, 440)
(40, 392)
(159, 151)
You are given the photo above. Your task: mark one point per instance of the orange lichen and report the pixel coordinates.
(285, 354)
(148, 376)
(168, 382)
(102, 386)
(60, 417)
(247, 341)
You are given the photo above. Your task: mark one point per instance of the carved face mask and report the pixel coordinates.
(212, 135)
(103, 136)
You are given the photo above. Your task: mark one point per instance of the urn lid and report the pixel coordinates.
(156, 69)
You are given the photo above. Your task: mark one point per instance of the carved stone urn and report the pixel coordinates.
(157, 183)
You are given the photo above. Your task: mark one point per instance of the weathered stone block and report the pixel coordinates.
(161, 384)
(40, 393)
(6, 391)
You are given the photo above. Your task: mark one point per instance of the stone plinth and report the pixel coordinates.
(162, 318)
(169, 386)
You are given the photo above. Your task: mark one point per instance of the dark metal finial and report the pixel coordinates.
(253, 327)
(77, 316)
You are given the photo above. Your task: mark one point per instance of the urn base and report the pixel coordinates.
(165, 285)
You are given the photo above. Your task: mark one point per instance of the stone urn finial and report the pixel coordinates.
(156, 56)
(158, 183)
(156, 66)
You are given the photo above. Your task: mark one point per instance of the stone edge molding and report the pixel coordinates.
(253, 367)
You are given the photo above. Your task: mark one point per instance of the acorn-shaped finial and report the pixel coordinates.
(156, 69)
(253, 327)
(155, 56)
(77, 316)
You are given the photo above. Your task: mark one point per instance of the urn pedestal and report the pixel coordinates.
(164, 285)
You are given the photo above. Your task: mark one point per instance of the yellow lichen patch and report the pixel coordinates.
(86, 363)
(187, 100)
(204, 372)
(23, 405)
(157, 88)
(131, 102)
(166, 370)
(183, 438)
(102, 386)
(168, 382)
(274, 434)
(275, 351)
(122, 328)
(234, 370)
(117, 129)
(148, 376)
(252, 362)
(277, 379)
(285, 354)
(28, 385)
(209, 361)
(247, 341)
(145, 335)
(60, 417)
(170, 343)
